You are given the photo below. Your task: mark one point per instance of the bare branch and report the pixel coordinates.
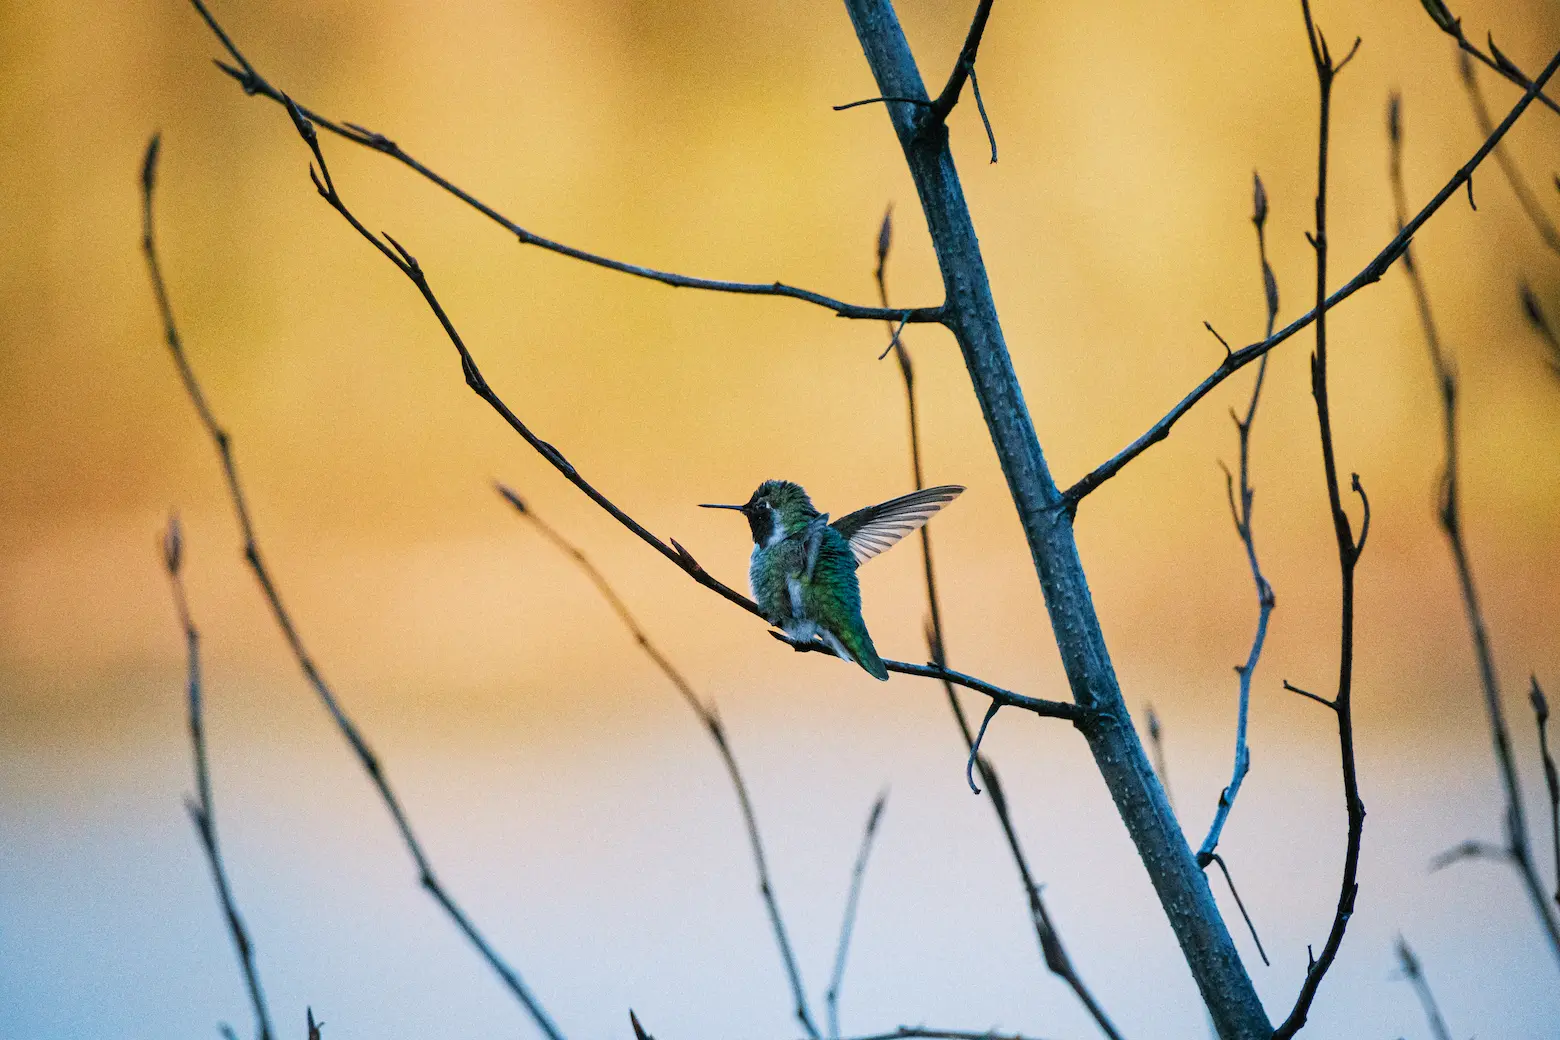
(256, 85)
(964, 67)
(1449, 517)
(1241, 510)
(1452, 26)
(201, 808)
(327, 696)
(712, 723)
(1368, 275)
(1414, 973)
(1508, 167)
(848, 924)
(1551, 773)
(1348, 552)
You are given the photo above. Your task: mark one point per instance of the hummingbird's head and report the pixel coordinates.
(777, 509)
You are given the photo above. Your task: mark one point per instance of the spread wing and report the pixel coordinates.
(876, 528)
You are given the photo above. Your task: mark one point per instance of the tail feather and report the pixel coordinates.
(859, 643)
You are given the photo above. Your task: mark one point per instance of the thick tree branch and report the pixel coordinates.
(1053, 953)
(1348, 549)
(1449, 518)
(256, 85)
(327, 696)
(201, 808)
(1368, 275)
(1046, 520)
(707, 715)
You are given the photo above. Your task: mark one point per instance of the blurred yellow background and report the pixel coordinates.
(564, 788)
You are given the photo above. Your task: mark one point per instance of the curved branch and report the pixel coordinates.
(255, 84)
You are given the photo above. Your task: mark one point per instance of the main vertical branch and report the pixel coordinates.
(970, 313)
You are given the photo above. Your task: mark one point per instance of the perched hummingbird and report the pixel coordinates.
(803, 571)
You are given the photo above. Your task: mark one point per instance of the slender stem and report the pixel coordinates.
(1508, 167)
(1368, 275)
(1241, 511)
(1052, 951)
(711, 721)
(256, 562)
(201, 808)
(1452, 26)
(848, 923)
(1551, 773)
(1449, 518)
(255, 84)
(964, 66)
(1414, 973)
(1348, 551)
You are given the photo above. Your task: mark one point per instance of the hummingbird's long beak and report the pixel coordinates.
(712, 505)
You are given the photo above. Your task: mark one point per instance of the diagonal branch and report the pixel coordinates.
(201, 808)
(1051, 948)
(1415, 974)
(1551, 772)
(1452, 26)
(711, 721)
(1368, 275)
(1349, 550)
(1508, 166)
(1449, 518)
(256, 562)
(255, 84)
(963, 68)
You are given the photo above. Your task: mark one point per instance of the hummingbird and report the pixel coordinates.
(803, 570)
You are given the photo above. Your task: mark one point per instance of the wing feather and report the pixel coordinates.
(874, 529)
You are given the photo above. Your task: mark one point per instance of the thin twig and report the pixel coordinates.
(251, 550)
(963, 67)
(1368, 275)
(1551, 774)
(255, 84)
(1241, 511)
(848, 923)
(1348, 549)
(881, 101)
(1452, 26)
(985, 120)
(1508, 166)
(1051, 949)
(201, 808)
(1449, 518)
(711, 721)
(1414, 973)
(1240, 904)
